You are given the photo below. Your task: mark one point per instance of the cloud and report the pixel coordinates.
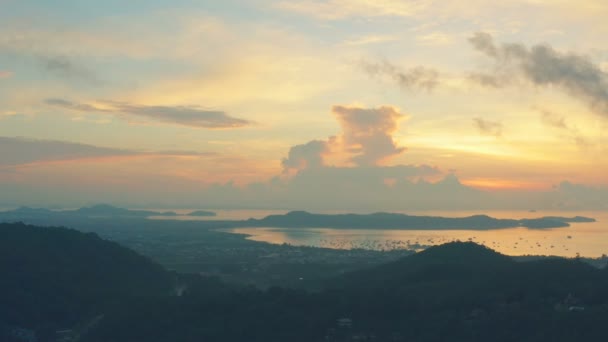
(81, 107)
(17, 151)
(5, 74)
(67, 69)
(580, 196)
(367, 133)
(557, 121)
(355, 189)
(191, 116)
(361, 180)
(543, 66)
(417, 78)
(366, 140)
(349, 171)
(484, 42)
(309, 155)
(553, 119)
(487, 127)
(43, 51)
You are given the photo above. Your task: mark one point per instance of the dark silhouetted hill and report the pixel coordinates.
(54, 277)
(303, 219)
(95, 211)
(108, 210)
(201, 213)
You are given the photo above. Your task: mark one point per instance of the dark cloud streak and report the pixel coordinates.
(80, 107)
(191, 116)
(19, 151)
(543, 66)
(417, 78)
(65, 68)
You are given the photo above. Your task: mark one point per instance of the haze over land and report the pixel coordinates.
(307, 105)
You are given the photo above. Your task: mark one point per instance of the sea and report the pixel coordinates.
(580, 239)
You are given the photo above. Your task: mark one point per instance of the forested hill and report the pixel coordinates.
(454, 292)
(52, 278)
(466, 265)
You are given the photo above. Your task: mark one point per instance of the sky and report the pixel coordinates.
(322, 105)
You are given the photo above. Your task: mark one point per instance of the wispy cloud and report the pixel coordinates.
(18, 151)
(5, 74)
(488, 127)
(559, 122)
(543, 66)
(553, 120)
(417, 78)
(191, 116)
(43, 50)
(65, 68)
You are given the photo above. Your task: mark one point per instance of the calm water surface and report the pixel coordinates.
(585, 239)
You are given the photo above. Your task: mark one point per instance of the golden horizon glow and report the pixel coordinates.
(248, 91)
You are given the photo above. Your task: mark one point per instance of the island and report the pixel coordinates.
(201, 213)
(99, 211)
(303, 219)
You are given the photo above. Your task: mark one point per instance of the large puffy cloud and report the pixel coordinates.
(309, 155)
(349, 171)
(366, 140)
(544, 66)
(368, 133)
(190, 116)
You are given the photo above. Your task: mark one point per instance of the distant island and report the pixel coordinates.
(303, 219)
(99, 210)
(201, 213)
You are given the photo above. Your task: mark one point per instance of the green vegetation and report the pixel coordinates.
(56, 278)
(53, 278)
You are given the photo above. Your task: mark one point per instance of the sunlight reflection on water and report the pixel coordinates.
(586, 239)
